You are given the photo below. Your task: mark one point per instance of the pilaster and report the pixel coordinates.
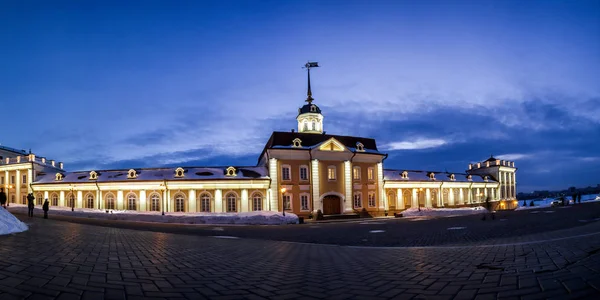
(382, 203)
(18, 186)
(218, 201)
(415, 199)
(143, 204)
(61, 198)
(79, 199)
(244, 205)
(348, 186)
(400, 199)
(316, 196)
(46, 197)
(192, 201)
(428, 198)
(30, 180)
(119, 200)
(273, 173)
(451, 197)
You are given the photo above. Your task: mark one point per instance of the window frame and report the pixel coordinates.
(205, 196)
(357, 198)
(356, 173)
(87, 201)
(155, 196)
(54, 199)
(24, 181)
(371, 174)
(300, 173)
(111, 202)
(371, 196)
(129, 198)
(289, 202)
(307, 207)
(257, 197)
(329, 168)
(227, 203)
(179, 197)
(289, 172)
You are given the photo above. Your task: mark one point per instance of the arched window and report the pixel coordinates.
(39, 198)
(305, 125)
(110, 201)
(231, 202)
(391, 199)
(90, 201)
(179, 203)
(371, 199)
(314, 125)
(71, 200)
(131, 202)
(154, 202)
(205, 202)
(256, 202)
(54, 200)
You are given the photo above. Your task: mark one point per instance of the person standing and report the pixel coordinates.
(2, 198)
(45, 208)
(488, 206)
(30, 204)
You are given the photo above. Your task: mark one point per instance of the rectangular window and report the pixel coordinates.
(24, 199)
(331, 173)
(356, 173)
(304, 202)
(25, 179)
(12, 179)
(303, 173)
(285, 173)
(371, 199)
(287, 202)
(205, 204)
(2, 180)
(371, 174)
(357, 201)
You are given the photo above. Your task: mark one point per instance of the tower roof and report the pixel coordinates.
(309, 108)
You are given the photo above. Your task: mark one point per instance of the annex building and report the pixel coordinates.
(299, 171)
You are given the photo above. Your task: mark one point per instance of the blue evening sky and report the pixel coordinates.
(439, 84)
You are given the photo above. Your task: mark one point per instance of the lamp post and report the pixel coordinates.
(72, 198)
(283, 200)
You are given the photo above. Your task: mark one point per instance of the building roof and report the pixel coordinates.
(155, 174)
(285, 140)
(16, 151)
(307, 109)
(439, 176)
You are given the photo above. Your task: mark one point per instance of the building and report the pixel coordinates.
(300, 171)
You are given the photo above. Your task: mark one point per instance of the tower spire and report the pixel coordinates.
(307, 66)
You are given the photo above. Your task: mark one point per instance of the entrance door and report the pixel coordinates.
(332, 205)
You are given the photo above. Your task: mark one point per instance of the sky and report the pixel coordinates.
(438, 84)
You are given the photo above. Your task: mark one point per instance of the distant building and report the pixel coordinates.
(300, 171)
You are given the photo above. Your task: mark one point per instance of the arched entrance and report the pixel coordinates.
(332, 205)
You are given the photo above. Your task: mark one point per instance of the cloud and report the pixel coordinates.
(416, 144)
(514, 156)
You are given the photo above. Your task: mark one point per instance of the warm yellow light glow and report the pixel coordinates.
(283, 190)
(421, 189)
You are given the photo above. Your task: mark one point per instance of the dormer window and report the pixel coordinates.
(231, 171)
(313, 108)
(360, 147)
(93, 175)
(485, 178)
(452, 177)
(131, 174)
(297, 142)
(59, 177)
(431, 176)
(404, 175)
(470, 177)
(179, 172)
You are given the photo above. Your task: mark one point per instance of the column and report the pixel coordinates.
(18, 187)
(273, 171)
(440, 197)
(163, 204)
(485, 192)
(504, 186)
(450, 197)
(400, 200)
(143, 204)
(79, 199)
(427, 198)
(61, 199)
(245, 201)
(169, 201)
(514, 185)
(120, 200)
(382, 203)
(219, 201)
(348, 186)
(192, 201)
(29, 180)
(100, 200)
(461, 195)
(46, 197)
(415, 199)
(316, 196)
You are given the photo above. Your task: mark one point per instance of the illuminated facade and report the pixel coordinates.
(300, 171)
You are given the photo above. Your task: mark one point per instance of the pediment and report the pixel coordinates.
(332, 145)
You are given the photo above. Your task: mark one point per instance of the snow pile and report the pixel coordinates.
(9, 223)
(249, 218)
(443, 212)
(547, 202)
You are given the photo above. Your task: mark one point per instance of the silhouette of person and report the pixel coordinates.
(2, 198)
(488, 206)
(30, 204)
(45, 208)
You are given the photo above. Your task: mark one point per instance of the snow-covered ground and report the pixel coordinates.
(249, 218)
(9, 223)
(547, 202)
(443, 212)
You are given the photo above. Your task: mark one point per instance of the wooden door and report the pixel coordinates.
(331, 205)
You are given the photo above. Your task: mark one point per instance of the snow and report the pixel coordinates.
(247, 218)
(9, 223)
(443, 212)
(547, 202)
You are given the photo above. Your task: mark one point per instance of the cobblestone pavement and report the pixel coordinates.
(508, 226)
(61, 260)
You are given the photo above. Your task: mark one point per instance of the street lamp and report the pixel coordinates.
(283, 200)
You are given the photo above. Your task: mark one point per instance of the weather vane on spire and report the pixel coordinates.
(307, 66)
